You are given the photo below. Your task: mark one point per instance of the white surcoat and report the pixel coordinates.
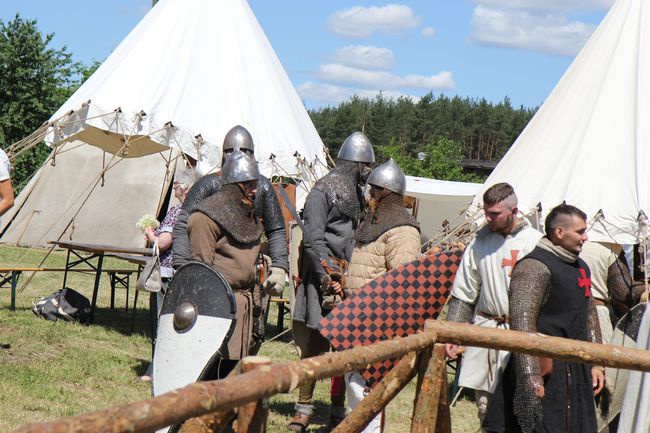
(483, 280)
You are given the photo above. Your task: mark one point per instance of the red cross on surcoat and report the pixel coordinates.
(584, 282)
(511, 261)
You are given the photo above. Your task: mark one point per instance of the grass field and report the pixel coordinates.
(54, 370)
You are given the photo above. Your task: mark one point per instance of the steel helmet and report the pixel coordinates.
(389, 176)
(357, 148)
(239, 167)
(238, 138)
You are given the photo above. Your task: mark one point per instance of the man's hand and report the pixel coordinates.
(451, 350)
(598, 379)
(337, 288)
(274, 283)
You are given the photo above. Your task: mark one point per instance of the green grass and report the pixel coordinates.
(54, 370)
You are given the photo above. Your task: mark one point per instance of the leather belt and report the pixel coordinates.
(599, 302)
(501, 320)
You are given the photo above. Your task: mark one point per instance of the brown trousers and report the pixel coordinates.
(311, 343)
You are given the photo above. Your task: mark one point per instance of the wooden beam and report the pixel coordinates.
(375, 402)
(252, 417)
(430, 383)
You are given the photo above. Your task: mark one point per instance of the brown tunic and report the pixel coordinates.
(212, 245)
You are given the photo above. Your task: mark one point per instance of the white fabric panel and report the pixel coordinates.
(55, 195)
(587, 144)
(439, 200)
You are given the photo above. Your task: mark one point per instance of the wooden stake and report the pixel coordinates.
(380, 396)
(252, 417)
(430, 382)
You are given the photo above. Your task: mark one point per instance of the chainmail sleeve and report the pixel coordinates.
(459, 311)
(621, 287)
(267, 207)
(594, 334)
(202, 188)
(529, 288)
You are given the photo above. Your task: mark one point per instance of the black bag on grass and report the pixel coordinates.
(65, 304)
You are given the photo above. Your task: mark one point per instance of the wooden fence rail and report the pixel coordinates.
(223, 395)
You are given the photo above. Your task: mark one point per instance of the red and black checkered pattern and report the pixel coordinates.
(395, 304)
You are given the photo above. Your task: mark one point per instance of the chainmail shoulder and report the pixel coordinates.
(529, 288)
(229, 210)
(390, 213)
(267, 206)
(341, 188)
(459, 311)
(620, 285)
(203, 188)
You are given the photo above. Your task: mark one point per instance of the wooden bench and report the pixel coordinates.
(117, 276)
(283, 309)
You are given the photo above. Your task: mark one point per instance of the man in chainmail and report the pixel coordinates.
(224, 233)
(387, 237)
(612, 288)
(480, 291)
(268, 210)
(550, 293)
(331, 214)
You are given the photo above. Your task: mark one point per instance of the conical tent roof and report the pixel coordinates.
(589, 142)
(186, 74)
(193, 68)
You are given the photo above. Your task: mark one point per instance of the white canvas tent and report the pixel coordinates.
(186, 74)
(439, 200)
(589, 143)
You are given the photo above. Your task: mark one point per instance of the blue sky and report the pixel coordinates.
(332, 49)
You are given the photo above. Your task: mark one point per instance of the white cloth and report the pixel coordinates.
(483, 279)
(599, 258)
(5, 166)
(355, 387)
(635, 417)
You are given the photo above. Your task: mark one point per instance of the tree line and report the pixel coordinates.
(445, 129)
(36, 79)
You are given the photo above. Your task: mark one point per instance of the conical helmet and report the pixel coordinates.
(357, 148)
(389, 176)
(239, 167)
(238, 138)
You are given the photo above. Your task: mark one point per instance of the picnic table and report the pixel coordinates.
(91, 257)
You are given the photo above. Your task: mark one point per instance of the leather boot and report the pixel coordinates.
(299, 422)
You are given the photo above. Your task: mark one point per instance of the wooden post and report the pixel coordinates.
(380, 395)
(212, 422)
(251, 417)
(430, 382)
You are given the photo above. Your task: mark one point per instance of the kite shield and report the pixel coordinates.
(196, 321)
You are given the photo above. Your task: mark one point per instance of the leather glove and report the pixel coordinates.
(274, 283)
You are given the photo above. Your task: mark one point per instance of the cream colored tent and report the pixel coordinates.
(589, 143)
(186, 74)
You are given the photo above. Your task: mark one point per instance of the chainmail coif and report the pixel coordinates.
(390, 213)
(341, 187)
(233, 213)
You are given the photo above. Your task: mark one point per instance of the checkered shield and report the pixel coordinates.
(395, 304)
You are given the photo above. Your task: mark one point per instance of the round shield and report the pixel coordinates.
(196, 321)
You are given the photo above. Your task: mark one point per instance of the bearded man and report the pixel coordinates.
(267, 209)
(550, 293)
(387, 237)
(480, 291)
(224, 233)
(331, 214)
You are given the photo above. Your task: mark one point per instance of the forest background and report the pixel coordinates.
(428, 137)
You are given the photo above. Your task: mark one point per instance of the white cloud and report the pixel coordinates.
(345, 75)
(361, 22)
(549, 5)
(428, 32)
(331, 94)
(362, 56)
(550, 33)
